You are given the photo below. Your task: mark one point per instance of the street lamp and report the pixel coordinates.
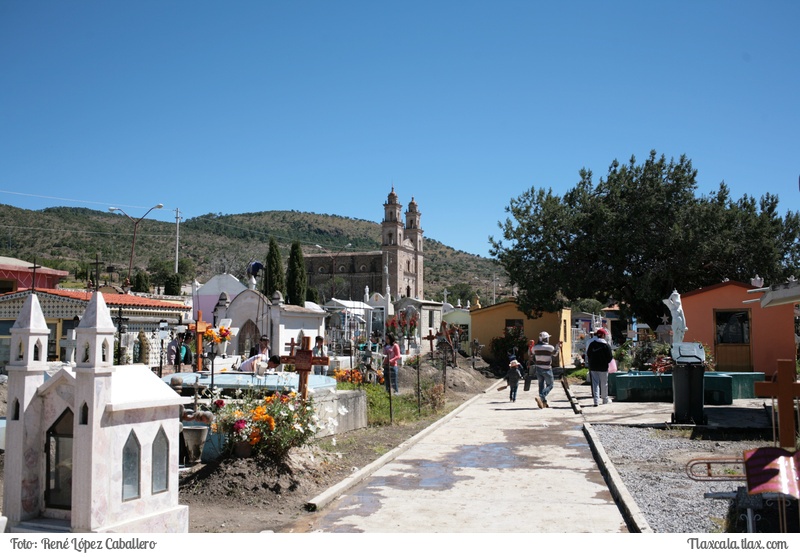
(135, 226)
(333, 268)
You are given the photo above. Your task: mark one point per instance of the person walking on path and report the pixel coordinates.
(542, 357)
(512, 378)
(392, 352)
(598, 356)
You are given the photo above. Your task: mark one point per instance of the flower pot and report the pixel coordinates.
(242, 449)
(195, 439)
(222, 348)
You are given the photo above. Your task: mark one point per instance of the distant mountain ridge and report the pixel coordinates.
(67, 237)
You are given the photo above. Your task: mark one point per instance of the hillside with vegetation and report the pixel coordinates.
(72, 239)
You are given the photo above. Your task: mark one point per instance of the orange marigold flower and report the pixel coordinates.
(255, 436)
(270, 422)
(259, 414)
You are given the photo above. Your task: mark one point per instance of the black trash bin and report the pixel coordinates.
(687, 394)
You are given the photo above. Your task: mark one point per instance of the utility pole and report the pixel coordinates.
(177, 236)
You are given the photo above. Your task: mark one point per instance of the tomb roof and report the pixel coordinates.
(125, 300)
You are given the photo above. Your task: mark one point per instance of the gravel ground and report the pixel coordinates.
(652, 463)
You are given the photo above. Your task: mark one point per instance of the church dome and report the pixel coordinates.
(412, 205)
(392, 196)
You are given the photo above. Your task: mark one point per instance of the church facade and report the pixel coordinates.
(397, 269)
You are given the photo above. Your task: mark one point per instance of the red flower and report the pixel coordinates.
(219, 403)
(239, 425)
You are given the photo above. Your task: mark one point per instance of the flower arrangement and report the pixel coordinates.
(355, 376)
(216, 336)
(271, 424)
(401, 326)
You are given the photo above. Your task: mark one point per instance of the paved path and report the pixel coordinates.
(495, 466)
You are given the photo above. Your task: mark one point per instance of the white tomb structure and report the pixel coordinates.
(94, 448)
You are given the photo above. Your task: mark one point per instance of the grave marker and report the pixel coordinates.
(303, 360)
(785, 389)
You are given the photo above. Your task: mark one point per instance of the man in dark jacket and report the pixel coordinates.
(598, 356)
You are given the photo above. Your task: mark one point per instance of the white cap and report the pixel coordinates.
(543, 335)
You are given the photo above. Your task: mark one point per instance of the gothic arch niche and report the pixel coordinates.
(58, 490)
(248, 337)
(20, 351)
(105, 351)
(85, 356)
(84, 419)
(160, 480)
(15, 410)
(131, 468)
(37, 351)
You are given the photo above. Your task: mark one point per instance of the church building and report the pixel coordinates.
(397, 269)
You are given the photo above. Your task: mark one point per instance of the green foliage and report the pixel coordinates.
(646, 353)
(636, 235)
(581, 373)
(587, 305)
(512, 340)
(141, 282)
(624, 355)
(273, 272)
(404, 407)
(296, 278)
(172, 286)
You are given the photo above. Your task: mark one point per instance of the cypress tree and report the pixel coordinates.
(273, 273)
(296, 279)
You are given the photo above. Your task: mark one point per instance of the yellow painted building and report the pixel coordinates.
(492, 321)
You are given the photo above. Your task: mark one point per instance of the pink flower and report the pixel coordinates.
(239, 425)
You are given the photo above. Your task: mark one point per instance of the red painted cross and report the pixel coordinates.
(785, 389)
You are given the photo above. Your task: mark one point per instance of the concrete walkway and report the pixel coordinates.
(494, 466)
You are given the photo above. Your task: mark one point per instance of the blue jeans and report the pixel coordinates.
(512, 387)
(545, 377)
(390, 378)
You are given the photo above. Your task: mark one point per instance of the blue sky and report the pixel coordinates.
(322, 106)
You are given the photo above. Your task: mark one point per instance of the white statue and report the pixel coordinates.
(678, 319)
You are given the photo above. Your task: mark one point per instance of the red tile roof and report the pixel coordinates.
(126, 300)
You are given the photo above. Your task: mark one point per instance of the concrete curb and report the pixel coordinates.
(324, 498)
(637, 523)
(634, 517)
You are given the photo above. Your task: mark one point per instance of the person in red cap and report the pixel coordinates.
(598, 356)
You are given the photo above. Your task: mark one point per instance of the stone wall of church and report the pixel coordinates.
(354, 273)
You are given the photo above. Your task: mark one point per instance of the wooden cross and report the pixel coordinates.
(785, 389)
(303, 360)
(35, 266)
(97, 263)
(200, 327)
(430, 338)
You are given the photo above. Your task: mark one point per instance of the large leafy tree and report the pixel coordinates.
(636, 235)
(296, 277)
(274, 278)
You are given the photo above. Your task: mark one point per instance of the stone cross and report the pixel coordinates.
(785, 389)
(303, 360)
(200, 327)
